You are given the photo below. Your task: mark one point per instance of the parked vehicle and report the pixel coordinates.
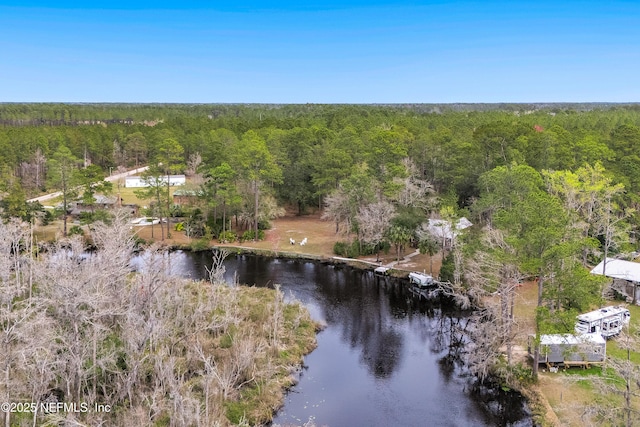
(382, 271)
(145, 221)
(421, 280)
(607, 321)
(569, 350)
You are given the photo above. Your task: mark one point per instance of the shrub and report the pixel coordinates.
(48, 217)
(366, 249)
(227, 237)
(215, 226)
(200, 245)
(354, 250)
(176, 211)
(340, 248)
(75, 230)
(86, 218)
(250, 235)
(447, 269)
(139, 242)
(515, 376)
(346, 249)
(97, 215)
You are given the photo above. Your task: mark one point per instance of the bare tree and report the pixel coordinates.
(494, 275)
(338, 210)
(234, 368)
(85, 295)
(193, 166)
(33, 172)
(39, 359)
(623, 380)
(217, 270)
(414, 191)
(151, 345)
(373, 221)
(16, 308)
(609, 224)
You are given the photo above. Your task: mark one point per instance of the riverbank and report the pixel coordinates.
(557, 399)
(321, 238)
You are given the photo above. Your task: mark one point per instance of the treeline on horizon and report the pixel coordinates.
(451, 144)
(46, 113)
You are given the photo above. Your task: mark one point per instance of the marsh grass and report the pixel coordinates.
(256, 402)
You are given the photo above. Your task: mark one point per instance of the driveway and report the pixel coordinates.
(110, 178)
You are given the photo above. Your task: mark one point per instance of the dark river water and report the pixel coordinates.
(386, 357)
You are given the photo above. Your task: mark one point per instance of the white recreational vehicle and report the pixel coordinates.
(607, 321)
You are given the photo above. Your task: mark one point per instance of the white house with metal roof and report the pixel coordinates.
(139, 181)
(625, 275)
(443, 231)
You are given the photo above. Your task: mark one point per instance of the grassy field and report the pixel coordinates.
(320, 237)
(128, 196)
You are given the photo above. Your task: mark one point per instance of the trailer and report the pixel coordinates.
(607, 321)
(568, 350)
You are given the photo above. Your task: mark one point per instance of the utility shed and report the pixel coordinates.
(625, 275)
(570, 350)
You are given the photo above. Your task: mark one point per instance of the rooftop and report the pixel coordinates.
(619, 269)
(594, 338)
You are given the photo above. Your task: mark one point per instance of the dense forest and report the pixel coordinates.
(550, 188)
(452, 145)
(301, 154)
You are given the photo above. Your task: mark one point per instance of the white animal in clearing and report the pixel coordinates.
(293, 242)
(304, 242)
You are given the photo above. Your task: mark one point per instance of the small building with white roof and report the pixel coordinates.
(443, 231)
(137, 181)
(625, 275)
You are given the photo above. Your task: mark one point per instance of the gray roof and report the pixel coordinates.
(105, 200)
(594, 338)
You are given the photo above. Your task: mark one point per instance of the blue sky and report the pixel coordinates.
(355, 51)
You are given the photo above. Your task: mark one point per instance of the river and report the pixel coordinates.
(386, 357)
